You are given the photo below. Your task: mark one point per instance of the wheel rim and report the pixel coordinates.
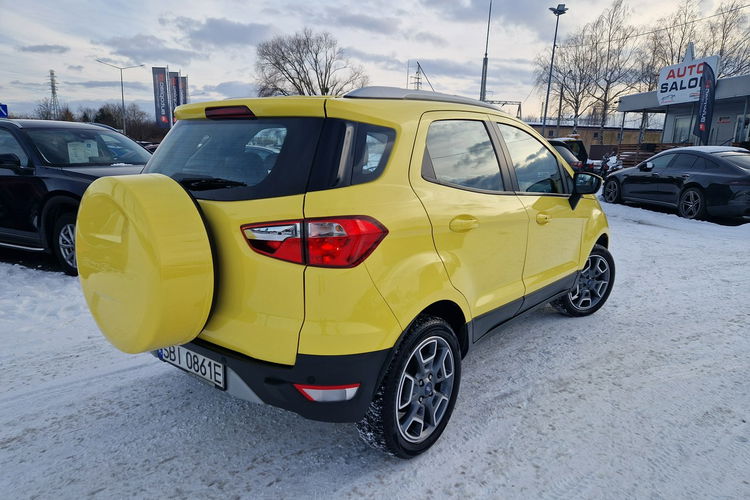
(425, 389)
(66, 241)
(610, 191)
(592, 284)
(690, 205)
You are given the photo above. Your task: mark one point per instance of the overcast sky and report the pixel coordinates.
(214, 43)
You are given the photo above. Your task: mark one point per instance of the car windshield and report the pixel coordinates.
(73, 147)
(739, 159)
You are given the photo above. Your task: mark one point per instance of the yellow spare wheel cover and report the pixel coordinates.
(144, 260)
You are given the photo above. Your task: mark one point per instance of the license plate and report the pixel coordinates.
(194, 363)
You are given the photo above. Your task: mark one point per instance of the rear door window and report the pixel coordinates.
(460, 153)
(536, 167)
(239, 159)
(682, 164)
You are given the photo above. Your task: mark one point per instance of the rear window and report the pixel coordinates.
(239, 159)
(740, 159)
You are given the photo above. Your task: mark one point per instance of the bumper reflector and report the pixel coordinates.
(327, 393)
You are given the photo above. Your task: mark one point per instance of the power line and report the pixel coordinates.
(660, 29)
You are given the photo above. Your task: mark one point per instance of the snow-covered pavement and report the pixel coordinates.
(649, 397)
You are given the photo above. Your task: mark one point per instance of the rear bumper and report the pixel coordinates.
(262, 382)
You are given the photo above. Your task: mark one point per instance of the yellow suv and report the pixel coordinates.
(339, 256)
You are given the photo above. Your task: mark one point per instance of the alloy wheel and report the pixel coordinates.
(690, 204)
(66, 240)
(611, 191)
(424, 390)
(592, 283)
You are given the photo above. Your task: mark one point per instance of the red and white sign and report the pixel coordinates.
(681, 82)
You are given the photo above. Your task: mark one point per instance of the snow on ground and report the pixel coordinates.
(649, 397)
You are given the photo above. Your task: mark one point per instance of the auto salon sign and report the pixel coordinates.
(682, 82)
(161, 97)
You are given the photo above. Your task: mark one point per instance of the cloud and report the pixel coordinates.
(76, 67)
(148, 48)
(423, 36)
(29, 85)
(387, 62)
(95, 84)
(531, 15)
(219, 32)
(45, 49)
(374, 24)
(225, 89)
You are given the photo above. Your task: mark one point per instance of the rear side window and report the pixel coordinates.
(239, 159)
(683, 163)
(460, 153)
(739, 159)
(350, 153)
(535, 166)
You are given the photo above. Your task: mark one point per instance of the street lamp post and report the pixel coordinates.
(557, 11)
(122, 86)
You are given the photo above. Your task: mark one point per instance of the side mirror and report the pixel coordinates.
(583, 183)
(12, 162)
(646, 167)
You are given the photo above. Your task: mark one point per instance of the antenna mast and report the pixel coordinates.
(54, 103)
(483, 88)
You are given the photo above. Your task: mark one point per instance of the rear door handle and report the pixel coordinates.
(542, 219)
(463, 223)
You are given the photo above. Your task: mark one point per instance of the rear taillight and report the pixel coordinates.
(326, 242)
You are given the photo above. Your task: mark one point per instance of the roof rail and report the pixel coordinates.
(379, 92)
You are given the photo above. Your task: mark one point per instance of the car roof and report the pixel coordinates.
(565, 139)
(706, 149)
(30, 124)
(390, 104)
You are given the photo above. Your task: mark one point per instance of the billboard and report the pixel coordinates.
(183, 90)
(682, 82)
(174, 92)
(705, 105)
(161, 97)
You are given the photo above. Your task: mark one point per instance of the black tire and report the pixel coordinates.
(612, 192)
(390, 425)
(692, 204)
(63, 232)
(592, 287)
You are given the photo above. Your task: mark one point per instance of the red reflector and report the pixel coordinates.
(327, 393)
(229, 112)
(329, 242)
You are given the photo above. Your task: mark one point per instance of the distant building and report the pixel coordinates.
(589, 134)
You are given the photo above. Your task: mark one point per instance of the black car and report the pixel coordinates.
(45, 166)
(576, 146)
(569, 157)
(698, 181)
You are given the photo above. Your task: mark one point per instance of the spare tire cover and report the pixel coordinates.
(144, 261)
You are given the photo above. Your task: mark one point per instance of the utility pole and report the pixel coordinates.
(557, 11)
(483, 88)
(122, 87)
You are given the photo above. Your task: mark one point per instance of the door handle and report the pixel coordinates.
(685, 176)
(542, 219)
(463, 223)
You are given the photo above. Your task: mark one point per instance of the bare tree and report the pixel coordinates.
(305, 63)
(676, 31)
(612, 56)
(571, 75)
(727, 36)
(44, 110)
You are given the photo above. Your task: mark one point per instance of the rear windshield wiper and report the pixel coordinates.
(205, 183)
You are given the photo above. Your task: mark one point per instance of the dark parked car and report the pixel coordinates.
(569, 157)
(698, 181)
(575, 145)
(45, 166)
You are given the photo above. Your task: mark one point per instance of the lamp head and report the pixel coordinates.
(559, 10)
